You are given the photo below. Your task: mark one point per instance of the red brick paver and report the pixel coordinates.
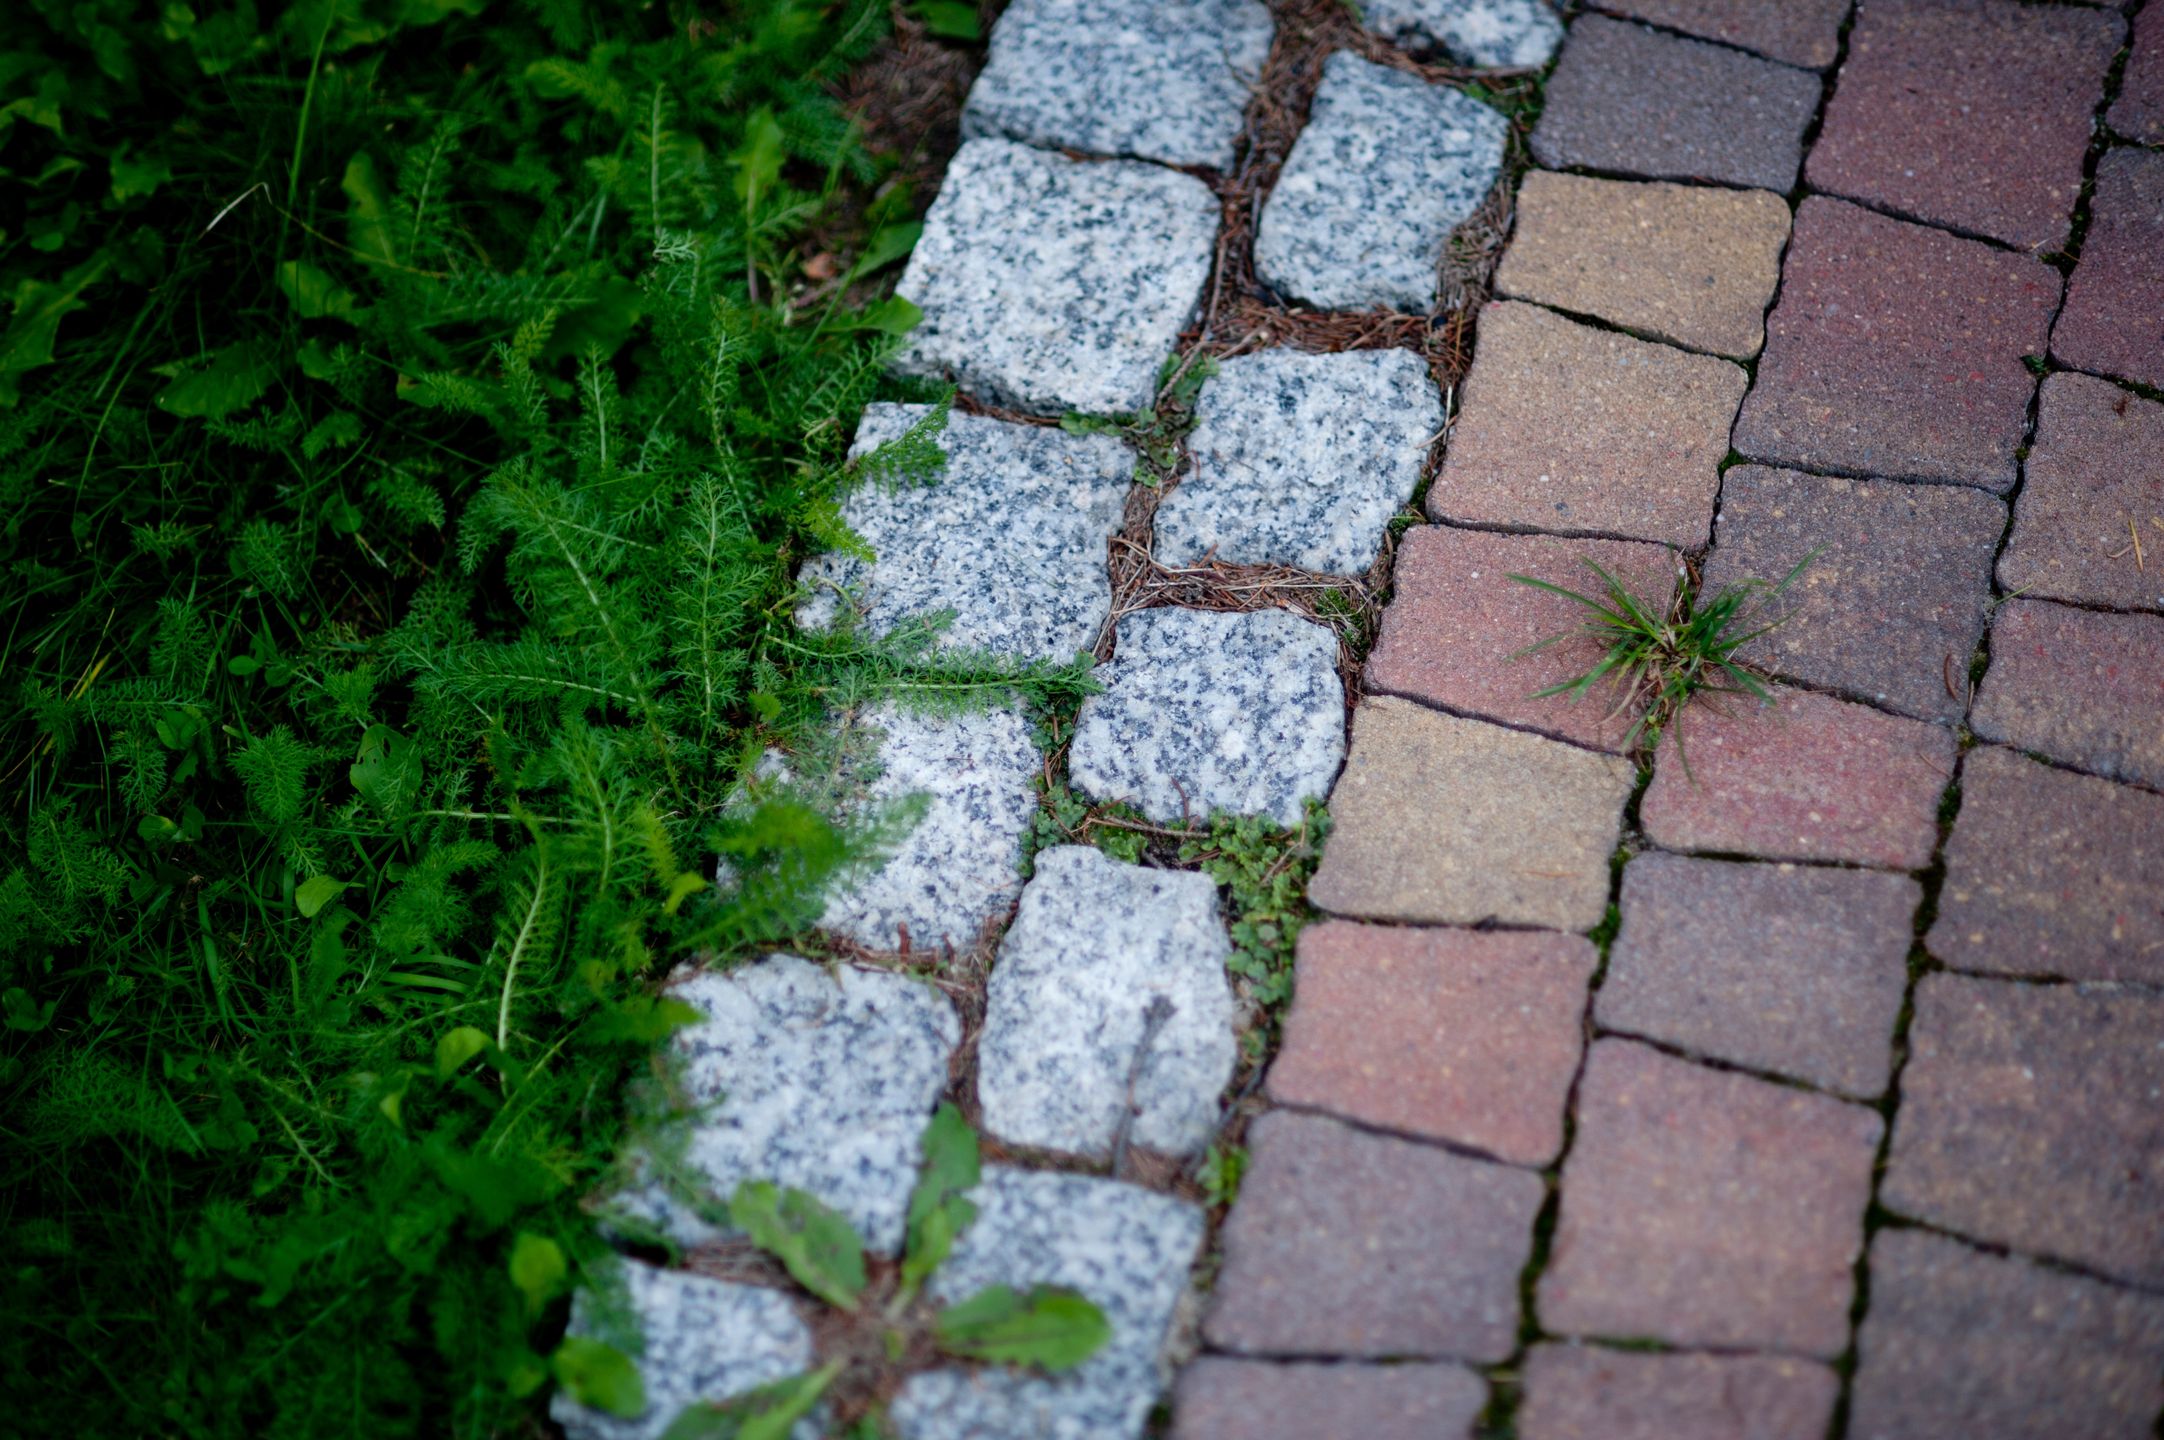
(2095, 485)
(2078, 686)
(2033, 1116)
(2052, 873)
(1961, 1343)
(1443, 1034)
(2138, 113)
(1707, 1208)
(1807, 778)
(1896, 350)
(1800, 32)
(1584, 1392)
(1974, 114)
(2114, 317)
(1345, 1243)
(1222, 1399)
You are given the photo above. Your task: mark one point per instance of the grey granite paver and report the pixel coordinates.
(1069, 1058)
(1226, 1399)
(1517, 34)
(2094, 481)
(1125, 1248)
(1588, 1392)
(1301, 460)
(1160, 80)
(1011, 538)
(1387, 167)
(1050, 284)
(1204, 711)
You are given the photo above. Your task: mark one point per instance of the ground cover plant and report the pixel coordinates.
(410, 420)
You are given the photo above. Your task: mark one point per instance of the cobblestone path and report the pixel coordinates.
(1815, 1092)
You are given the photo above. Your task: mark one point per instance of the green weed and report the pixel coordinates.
(1264, 869)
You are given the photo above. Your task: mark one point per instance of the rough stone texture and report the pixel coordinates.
(1095, 945)
(1387, 167)
(1957, 1342)
(2096, 468)
(1582, 431)
(1684, 263)
(2138, 113)
(1583, 1392)
(1974, 114)
(960, 866)
(1301, 459)
(2078, 686)
(1452, 821)
(2030, 1117)
(1221, 1399)
(1807, 778)
(1011, 538)
(2049, 873)
(1111, 258)
(1447, 1034)
(1893, 603)
(1456, 628)
(1896, 350)
(1703, 1207)
(704, 1340)
(1155, 79)
(819, 1081)
(2114, 317)
(1345, 1243)
(1800, 32)
(1517, 34)
(1125, 1248)
(1204, 711)
(1637, 102)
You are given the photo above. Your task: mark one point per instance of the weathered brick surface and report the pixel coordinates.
(1442, 820)
(1345, 1243)
(1583, 1392)
(2095, 479)
(1687, 263)
(1969, 113)
(1896, 350)
(1447, 1034)
(1958, 1342)
(2031, 1117)
(2138, 113)
(1581, 431)
(2114, 317)
(2079, 686)
(1223, 1399)
(1800, 32)
(1791, 969)
(1807, 778)
(2051, 873)
(1457, 620)
(1891, 606)
(1635, 101)
(1707, 1208)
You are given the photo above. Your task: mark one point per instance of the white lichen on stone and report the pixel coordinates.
(1301, 460)
(1503, 34)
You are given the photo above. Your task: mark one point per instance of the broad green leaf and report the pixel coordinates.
(316, 892)
(893, 316)
(314, 293)
(949, 19)
(368, 210)
(938, 1212)
(538, 1269)
(133, 176)
(34, 324)
(888, 244)
(457, 1047)
(235, 377)
(767, 1413)
(1051, 1327)
(600, 1376)
(758, 160)
(815, 1244)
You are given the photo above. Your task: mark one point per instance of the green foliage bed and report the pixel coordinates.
(404, 455)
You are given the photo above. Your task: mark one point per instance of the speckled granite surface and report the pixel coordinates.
(1387, 167)
(1160, 80)
(1500, 33)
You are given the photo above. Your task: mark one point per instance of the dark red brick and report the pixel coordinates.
(1637, 102)
(2114, 317)
(1896, 350)
(1345, 1243)
(1793, 969)
(2032, 1116)
(2138, 113)
(1960, 1343)
(1800, 32)
(2094, 482)
(1221, 1399)
(1890, 607)
(1969, 113)
(1583, 1392)
(2079, 686)
(1807, 778)
(2051, 873)
(1444, 1034)
(1707, 1208)
(1456, 621)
